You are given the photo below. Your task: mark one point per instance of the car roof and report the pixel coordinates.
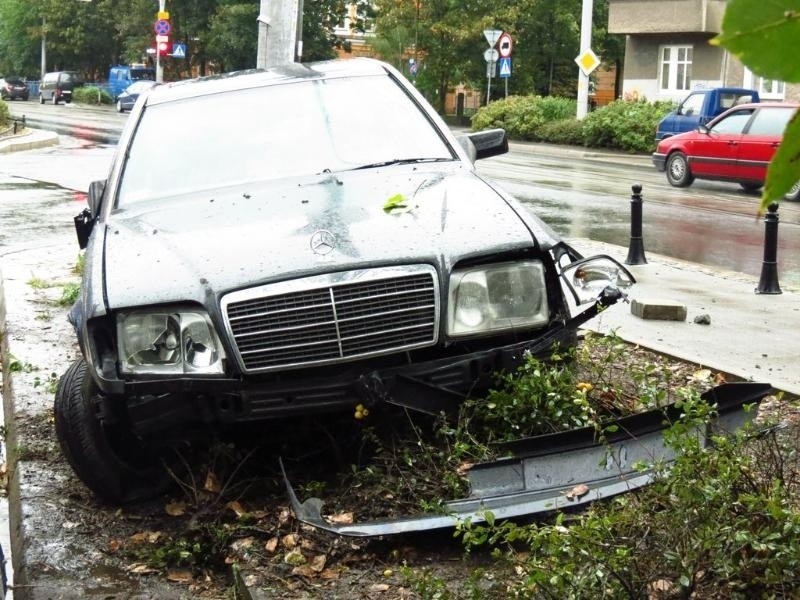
(255, 78)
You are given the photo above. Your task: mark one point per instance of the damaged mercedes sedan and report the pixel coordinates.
(299, 241)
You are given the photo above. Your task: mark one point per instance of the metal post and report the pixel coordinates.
(44, 48)
(489, 69)
(768, 283)
(636, 247)
(586, 43)
(277, 33)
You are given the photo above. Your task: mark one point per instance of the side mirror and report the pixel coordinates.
(84, 222)
(491, 142)
(703, 129)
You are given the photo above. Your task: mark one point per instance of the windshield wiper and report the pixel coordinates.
(400, 161)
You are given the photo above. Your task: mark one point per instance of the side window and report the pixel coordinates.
(734, 122)
(692, 105)
(770, 121)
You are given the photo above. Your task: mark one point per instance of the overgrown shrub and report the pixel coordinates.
(523, 116)
(563, 131)
(91, 95)
(5, 115)
(625, 125)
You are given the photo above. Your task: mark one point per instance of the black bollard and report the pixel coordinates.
(768, 283)
(636, 247)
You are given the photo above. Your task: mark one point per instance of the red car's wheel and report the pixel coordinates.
(678, 173)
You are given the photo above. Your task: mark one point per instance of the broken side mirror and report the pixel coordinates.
(597, 279)
(84, 222)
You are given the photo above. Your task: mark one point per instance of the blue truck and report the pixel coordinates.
(121, 76)
(699, 107)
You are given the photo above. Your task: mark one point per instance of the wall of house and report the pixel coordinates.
(711, 66)
(665, 16)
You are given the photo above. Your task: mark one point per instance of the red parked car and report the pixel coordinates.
(736, 146)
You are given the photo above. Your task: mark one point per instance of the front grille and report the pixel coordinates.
(333, 318)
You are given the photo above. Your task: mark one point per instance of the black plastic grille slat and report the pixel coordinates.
(334, 323)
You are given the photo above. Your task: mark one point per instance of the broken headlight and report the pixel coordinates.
(493, 298)
(168, 343)
(588, 278)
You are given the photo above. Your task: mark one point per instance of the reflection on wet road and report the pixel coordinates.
(709, 223)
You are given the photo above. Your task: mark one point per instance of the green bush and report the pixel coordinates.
(5, 115)
(523, 116)
(91, 95)
(625, 125)
(564, 131)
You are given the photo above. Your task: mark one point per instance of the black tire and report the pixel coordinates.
(751, 187)
(793, 195)
(108, 458)
(678, 173)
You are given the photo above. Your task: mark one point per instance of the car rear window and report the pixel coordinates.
(276, 131)
(770, 121)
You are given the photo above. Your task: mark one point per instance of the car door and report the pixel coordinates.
(760, 140)
(714, 154)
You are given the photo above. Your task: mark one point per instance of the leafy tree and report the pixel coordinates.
(763, 36)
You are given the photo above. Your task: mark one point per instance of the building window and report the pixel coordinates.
(768, 89)
(676, 68)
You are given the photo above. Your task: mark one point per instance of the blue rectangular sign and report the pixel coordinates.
(504, 65)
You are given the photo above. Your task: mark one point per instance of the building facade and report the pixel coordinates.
(668, 54)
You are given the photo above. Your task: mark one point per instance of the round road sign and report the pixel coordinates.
(505, 45)
(162, 27)
(490, 55)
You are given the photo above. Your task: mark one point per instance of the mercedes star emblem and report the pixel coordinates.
(323, 242)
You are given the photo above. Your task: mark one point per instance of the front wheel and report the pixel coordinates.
(678, 173)
(751, 187)
(115, 464)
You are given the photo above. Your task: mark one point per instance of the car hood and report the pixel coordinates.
(198, 247)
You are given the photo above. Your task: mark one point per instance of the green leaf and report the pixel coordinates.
(763, 34)
(784, 170)
(396, 201)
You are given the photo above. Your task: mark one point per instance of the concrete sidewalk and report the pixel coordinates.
(28, 139)
(750, 335)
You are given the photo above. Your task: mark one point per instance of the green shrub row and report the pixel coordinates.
(5, 115)
(627, 125)
(91, 95)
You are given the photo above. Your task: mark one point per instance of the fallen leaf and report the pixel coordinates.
(345, 518)
(462, 469)
(379, 587)
(578, 491)
(150, 537)
(252, 580)
(304, 571)
(284, 516)
(295, 558)
(271, 545)
(114, 545)
(329, 574)
(290, 540)
(720, 378)
(242, 544)
(176, 509)
(179, 575)
(212, 483)
(701, 374)
(396, 201)
(318, 563)
(140, 569)
(237, 508)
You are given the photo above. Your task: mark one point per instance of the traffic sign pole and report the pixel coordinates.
(586, 44)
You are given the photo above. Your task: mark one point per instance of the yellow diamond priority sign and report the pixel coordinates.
(587, 61)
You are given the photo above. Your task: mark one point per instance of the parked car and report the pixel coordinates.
(12, 88)
(699, 107)
(128, 97)
(299, 255)
(736, 146)
(120, 77)
(57, 86)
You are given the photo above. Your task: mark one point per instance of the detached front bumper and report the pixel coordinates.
(558, 471)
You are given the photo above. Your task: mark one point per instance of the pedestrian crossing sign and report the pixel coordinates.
(179, 50)
(505, 67)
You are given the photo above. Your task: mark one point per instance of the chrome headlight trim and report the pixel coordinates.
(589, 277)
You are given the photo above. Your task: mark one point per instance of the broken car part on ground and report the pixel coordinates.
(298, 260)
